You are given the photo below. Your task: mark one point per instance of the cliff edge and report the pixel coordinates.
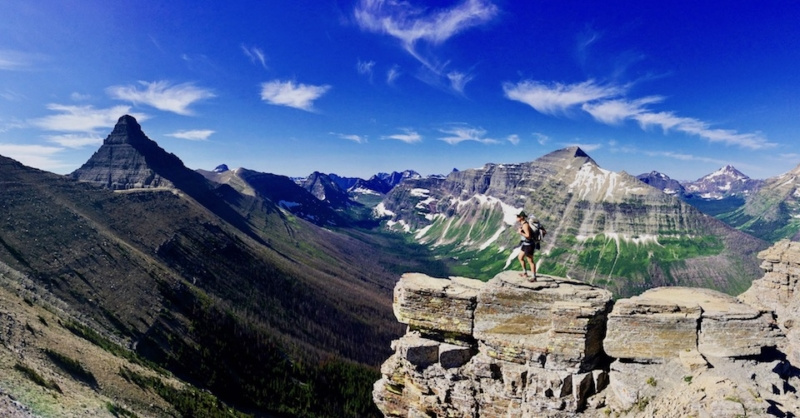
(563, 348)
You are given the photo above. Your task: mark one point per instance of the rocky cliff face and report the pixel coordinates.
(128, 159)
(562, 348)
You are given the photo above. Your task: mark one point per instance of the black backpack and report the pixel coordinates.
(537, 231)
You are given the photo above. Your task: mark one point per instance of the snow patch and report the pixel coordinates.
(380, 211)
(364, 190)
(637, 239)
(420, 192)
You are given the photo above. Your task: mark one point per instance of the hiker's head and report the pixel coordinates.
(522, 216)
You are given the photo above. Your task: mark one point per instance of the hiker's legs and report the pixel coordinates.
(532, 263)
(521, 259)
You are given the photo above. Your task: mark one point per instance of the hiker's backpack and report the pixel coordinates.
(537, 231)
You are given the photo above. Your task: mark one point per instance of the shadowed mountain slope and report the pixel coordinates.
(227, 290)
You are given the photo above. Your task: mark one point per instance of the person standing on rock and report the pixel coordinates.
(530, 242)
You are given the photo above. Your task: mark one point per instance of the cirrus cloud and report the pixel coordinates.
(83, 118)
(460, 133)
(193, 135)
(162, 95)
(607, 105)
(409, 137)
(287, 93)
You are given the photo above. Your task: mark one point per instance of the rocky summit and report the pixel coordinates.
(562, 348)
(128, 159)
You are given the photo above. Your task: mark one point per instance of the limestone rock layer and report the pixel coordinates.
(562, 348)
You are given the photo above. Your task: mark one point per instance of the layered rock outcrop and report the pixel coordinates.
(562, 348)
(128, 159)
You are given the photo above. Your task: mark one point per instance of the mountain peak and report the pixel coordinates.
(128, 159)
(126, 131)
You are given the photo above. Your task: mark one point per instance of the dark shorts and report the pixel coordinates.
(528, 247)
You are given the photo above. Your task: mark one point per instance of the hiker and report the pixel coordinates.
(531, 237)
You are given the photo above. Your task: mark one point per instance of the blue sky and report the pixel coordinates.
(358, 87)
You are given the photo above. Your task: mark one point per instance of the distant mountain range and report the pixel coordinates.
(605, 228)
(768, 209)
(273, 294)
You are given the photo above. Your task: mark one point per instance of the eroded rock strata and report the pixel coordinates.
(562, 348)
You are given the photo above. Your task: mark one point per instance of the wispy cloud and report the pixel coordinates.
(162, 95)
(557, 98)
(514, 139)
(542, 139)
(255, 54)
(287, 93)
(15, 60)
(409, 136)
(83, 118)
(607, 105)
(193, 135)
(392, 75)
(38, 156)
(458, 134)
(459, 80)
(75, 140)
(412, 25)
(351, 137)
(365, 68)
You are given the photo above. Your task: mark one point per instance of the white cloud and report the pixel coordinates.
(514, 139)
(542, 139)
(409, 137)
(411, 25)
(38, 156)
(614, 112)
(15, 60)
(392, 75)
(557, 98)
(365, 68)
(162, 95)
(458, 134)
(459, 80)
(75, 140)
(286, 93)
(83, 118)
(193, 135)
(256, 55)
(350, 137)
(606, 105)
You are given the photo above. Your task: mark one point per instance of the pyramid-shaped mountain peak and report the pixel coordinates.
(127, 131)
(128, 159)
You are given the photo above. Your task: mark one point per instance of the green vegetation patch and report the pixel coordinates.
(628, 259)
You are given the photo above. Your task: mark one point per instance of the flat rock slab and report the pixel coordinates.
(663, 322)
(439, 305)
(560, 319)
